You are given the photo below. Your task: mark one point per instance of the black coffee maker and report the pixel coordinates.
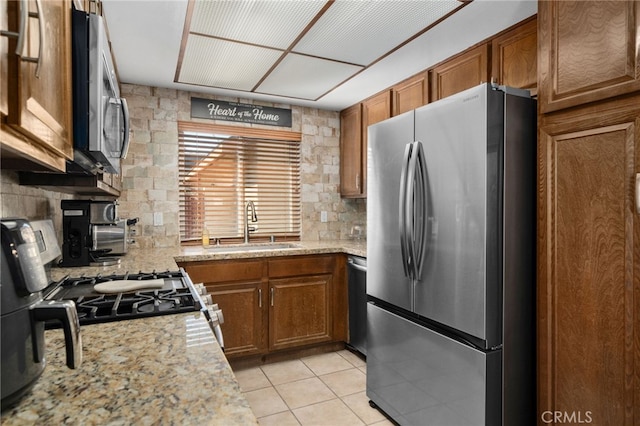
(23, 312)
(79, 218)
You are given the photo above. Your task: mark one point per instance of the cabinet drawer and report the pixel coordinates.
(223, 271)
(293, 266)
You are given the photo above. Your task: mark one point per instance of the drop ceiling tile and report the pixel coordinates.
(353, 31)
(306, 77)
(266, 23)
(220, 63)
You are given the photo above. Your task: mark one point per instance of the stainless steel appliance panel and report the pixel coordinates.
(357, 272)
(110, 238)
(420, 377)
(387, 142)
(459, 279)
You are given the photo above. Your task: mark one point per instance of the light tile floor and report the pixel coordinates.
(326, 389)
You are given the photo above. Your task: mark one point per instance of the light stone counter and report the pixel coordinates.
(156, 370)
(147, 371)
(163, 259)
(199, 253)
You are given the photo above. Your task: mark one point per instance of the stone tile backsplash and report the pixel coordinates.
(150, 171)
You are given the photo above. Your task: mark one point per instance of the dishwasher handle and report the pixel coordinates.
(357, 266)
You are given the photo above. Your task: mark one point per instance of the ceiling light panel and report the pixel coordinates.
(360, 32)
(273, 23)
(305, 77)
(219, 63)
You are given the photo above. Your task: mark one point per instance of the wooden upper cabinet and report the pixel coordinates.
(589, 51)
(514, 57)
(460, 73)
(36, 126)
(410, 93)
(4, 54)
(374, 110)
(351, 152)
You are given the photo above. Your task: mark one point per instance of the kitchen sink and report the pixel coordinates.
(252, 247)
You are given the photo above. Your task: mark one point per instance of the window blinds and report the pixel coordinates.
(224, 167)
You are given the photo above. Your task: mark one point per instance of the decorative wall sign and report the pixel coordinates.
(242, 113)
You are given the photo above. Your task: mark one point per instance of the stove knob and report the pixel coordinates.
(214, 319)
(216, 313)
(206, 298)
(220, 316)
(200, 288)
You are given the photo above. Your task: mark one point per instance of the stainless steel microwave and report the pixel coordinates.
(100, 115)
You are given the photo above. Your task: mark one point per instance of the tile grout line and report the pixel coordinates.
(315, 375)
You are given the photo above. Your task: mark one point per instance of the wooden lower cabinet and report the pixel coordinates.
(299, 311)
(244, 319)
(278, 303)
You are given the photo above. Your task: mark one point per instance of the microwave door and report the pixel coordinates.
(112, 133)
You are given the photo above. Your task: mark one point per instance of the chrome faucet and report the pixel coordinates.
(254, 218)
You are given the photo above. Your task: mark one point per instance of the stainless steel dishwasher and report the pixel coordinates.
(357, 273)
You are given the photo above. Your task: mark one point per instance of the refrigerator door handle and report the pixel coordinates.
(421, 210)
(403, 210)
(410, 217)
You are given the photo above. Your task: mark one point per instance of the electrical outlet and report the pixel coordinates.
(323, 216)
(157, 219)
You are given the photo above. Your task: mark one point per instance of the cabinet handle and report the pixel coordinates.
(260, 298)
(638, 193)
(272, 289)
(20, 35)
(358, 181)
(24, 13)
(40, 15)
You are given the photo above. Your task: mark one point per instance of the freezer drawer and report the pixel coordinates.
(419, 377)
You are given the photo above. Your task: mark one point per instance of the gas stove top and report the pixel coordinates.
(94, 307)
(177, 295)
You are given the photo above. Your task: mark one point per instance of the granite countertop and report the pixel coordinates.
(149, 370)
(157, 370)
(163, 259)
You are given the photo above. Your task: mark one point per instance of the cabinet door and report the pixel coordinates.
(351, 152)
(38, 123)
(462, 72)
(589, 263)
(244, 308)
(374, 110)
(410, 93)
(514, 57)
(4, 59)
(237, 286)
(589, 51)
(299, 311)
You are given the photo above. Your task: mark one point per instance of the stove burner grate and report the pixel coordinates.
(93, 307)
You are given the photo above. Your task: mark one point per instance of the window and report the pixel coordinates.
(222, 168)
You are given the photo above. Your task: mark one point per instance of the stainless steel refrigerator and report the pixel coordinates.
(451, 261)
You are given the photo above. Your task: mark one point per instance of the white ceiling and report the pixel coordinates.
(315, 53)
